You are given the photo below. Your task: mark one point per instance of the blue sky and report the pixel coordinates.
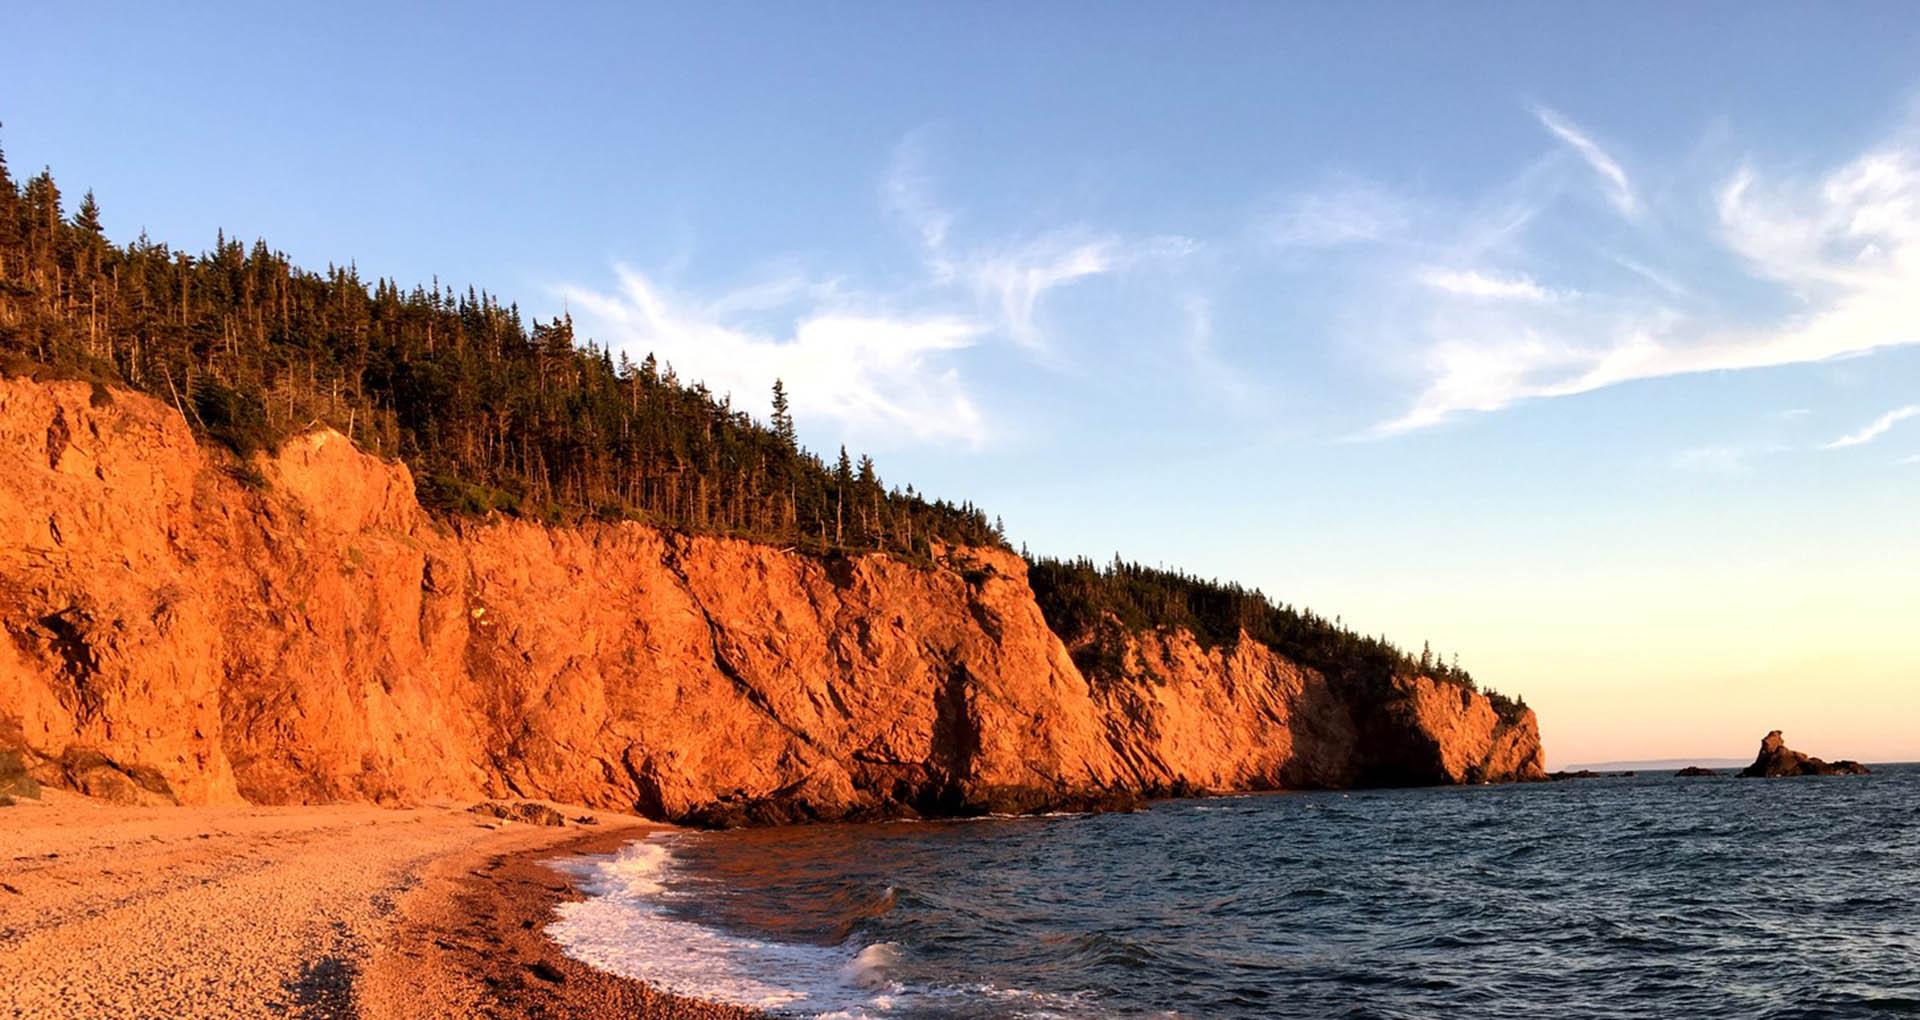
(1578, 339)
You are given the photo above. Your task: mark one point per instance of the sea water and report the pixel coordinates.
(1649, 896)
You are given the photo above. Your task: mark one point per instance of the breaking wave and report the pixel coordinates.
(1610, 898)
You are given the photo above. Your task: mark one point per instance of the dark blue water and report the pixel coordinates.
(1621, 897)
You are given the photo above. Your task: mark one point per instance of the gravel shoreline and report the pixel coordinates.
(338, 912)
(475, 947)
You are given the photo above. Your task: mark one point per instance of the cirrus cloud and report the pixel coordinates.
(1475, 284)
(887, 366)
(1840, 249)
(1879, 427)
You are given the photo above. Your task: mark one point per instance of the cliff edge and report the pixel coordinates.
(178, 628)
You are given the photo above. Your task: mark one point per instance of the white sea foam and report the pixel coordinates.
(624, 927)
(868, 968)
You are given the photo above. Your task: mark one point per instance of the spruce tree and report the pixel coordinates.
(87, 218)
(783, 417)
(7, 189)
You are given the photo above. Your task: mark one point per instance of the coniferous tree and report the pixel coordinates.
(493, 413)
(86, 219)
(1090, 605)
(782, 416)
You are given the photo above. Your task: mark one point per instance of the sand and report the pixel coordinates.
(472, 945)
(335, 912)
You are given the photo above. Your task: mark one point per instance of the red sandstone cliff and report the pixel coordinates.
(174, 632)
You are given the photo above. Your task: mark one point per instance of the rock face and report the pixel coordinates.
(1242, 717)
(1777, 759)
(177, 630)
(14, 780)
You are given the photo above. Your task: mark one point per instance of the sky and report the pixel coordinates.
(1579, 340)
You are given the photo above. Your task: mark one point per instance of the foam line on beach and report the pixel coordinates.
(626, 927)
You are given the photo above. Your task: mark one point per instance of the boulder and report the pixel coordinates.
(89, 771)
(1695, 770)
(522, 811)
(14, 780)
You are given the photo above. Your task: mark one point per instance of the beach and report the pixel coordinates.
(336, 912)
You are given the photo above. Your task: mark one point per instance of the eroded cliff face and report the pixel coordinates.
(1241, 717)
(175, 632)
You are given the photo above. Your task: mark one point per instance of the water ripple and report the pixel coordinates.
(1611, 898)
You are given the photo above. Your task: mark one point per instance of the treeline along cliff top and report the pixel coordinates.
(492, 415)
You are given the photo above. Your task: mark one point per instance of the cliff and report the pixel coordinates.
(180, 627)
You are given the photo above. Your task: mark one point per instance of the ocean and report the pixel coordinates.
(1644, 896)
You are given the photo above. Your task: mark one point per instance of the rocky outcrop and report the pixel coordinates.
(1777, 759)
(14, 780)
(300, 630)
(1241, 717)
(525, 811)
(1695, 772)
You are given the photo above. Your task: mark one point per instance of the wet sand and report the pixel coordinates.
(335, 912)
(474, 947)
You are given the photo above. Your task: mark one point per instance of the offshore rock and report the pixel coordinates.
(1777, 759)
(303, 632)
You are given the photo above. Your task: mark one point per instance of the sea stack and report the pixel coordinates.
(1777, 759)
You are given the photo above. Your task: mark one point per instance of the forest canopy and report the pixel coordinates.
(1083, 602)
(494, 414)
(490, 412)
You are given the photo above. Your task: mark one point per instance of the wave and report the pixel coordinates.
(1523, 901)
(626, 927)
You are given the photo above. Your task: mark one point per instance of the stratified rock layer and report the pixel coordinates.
(179, 630)
(1776, 759)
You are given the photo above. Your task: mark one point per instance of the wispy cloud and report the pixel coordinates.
(1877, 429)
(1011, 278)
(1658, 279)
(1613, 178)
(1843, 247)
(1474, 284)
(1014, 282)
(1350, 212)
(885, 365)
(883, 376)
(1209, 369)
(907, 192)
